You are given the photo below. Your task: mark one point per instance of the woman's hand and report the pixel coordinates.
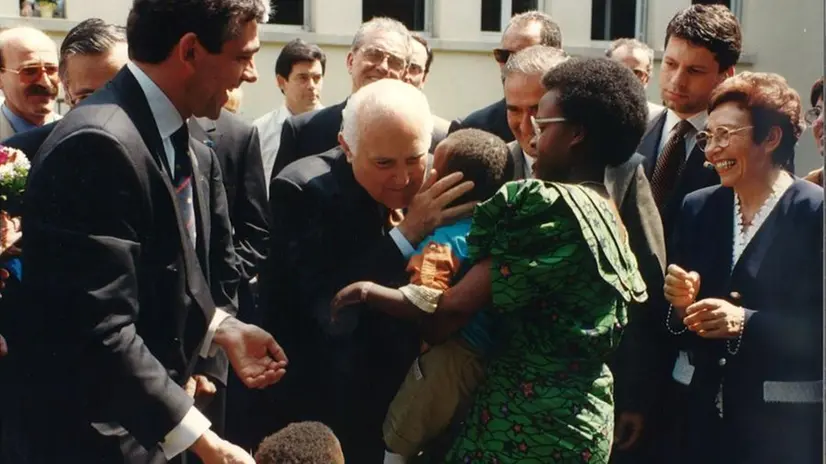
(681, 288)
(715, 318)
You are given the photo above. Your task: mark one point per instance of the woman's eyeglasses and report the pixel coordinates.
(812, 115)
(721, 136)
(535, 122)
(31, 73)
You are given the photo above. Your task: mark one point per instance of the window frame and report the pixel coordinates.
(305, 27)
(640, 26)
(505, 12)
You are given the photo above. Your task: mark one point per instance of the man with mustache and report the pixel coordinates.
(29, 80)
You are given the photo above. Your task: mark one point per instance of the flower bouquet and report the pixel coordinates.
(14, 170)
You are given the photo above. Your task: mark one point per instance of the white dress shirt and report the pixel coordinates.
(269, 131)
(698, 122)
(528, 168)
(194, 424)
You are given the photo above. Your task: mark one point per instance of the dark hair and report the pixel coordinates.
(606, 99)
(817, 92)
(423, 41)
(482, 157)
(713, 27)
(154, 27)
(90, 37)
(550, 34)
(298, 51)
(300, 443)
(771, 102)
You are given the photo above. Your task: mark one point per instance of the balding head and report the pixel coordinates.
(28, 73)
(386, 133)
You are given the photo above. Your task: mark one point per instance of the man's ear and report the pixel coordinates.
(187, 48)
(346, 148)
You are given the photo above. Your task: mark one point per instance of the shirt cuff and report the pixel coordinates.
(402, 243)
(207, 349)
(185, 434)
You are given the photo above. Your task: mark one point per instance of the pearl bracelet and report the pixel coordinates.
(668, 322)
(739, 337)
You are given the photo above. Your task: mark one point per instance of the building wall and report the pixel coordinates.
(784, 37)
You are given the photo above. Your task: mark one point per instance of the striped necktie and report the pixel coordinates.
(669, 164)
(182, 182)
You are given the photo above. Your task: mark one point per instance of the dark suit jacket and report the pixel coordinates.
(780, 279)
(327, 232)
(693, 176)
(238, 148)
(30, 141)
(492, 118)
(118, 301)
(316, 132)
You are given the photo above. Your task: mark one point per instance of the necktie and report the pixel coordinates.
(670, 163)
(182, 181)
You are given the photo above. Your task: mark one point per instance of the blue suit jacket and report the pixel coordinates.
(767, 417)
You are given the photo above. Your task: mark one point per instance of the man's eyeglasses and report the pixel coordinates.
(32, 72)
(502, 55)
(640, 73)
(812, 115)
(414, 69)
(376, 56)
(721, 136)
(535, 122)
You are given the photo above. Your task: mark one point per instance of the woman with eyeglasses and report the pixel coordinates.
(745, 287)
(815, 118)
(553, 260)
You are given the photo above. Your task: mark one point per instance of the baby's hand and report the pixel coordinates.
(352, 294)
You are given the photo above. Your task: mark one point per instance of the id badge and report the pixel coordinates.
(417, 370)
(683, 370)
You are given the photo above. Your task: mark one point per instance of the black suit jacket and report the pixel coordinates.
(30, 141)
(327, 232)
(238, 149)
(492, 118)
(118, 301)
(767, 417)
(316, 132)
(693, 176)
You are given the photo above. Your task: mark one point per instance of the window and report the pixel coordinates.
(613, 19)
(43, 8)
(287, 12)
(497, 13)
(412, 13)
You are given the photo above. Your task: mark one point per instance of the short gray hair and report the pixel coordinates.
(550, 34)
(383, 98)
(381, 24)
(633, 44)
(534, 60)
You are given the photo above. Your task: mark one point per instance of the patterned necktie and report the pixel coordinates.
(670, 163)
(182, 181)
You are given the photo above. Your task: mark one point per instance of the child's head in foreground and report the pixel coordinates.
(481, 156)
(301, 443)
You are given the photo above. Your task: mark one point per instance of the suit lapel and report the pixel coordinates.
(205, 130)
(201, 159)
(718, 219)
(650, 144)
(134, 103)
(518, 160)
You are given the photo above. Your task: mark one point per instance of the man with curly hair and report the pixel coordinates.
(301, 443)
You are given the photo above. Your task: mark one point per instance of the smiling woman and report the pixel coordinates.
(752, 333)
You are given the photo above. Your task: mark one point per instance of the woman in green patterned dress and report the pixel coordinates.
(553, 258)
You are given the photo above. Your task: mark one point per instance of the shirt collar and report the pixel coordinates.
(17, 123)
(698, 121)
(167, 117)
(528, 165)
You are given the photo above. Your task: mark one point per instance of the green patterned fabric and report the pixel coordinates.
(562, 276)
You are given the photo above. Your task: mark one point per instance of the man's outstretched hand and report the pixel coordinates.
(255, 356)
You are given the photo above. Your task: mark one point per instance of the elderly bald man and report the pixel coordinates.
(29, 80)
(336, 220)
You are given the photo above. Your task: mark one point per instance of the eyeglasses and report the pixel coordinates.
(813, 113)
(535, 122)
(376, 56)
(414, 69)
(721, 136)
(501, 55)
(32, 72)
(640, 73)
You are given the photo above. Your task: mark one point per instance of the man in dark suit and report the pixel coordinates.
(381, 49)
(238, 149)
(117, 296)
(523, 30)
(336, 221)
(702, 46)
